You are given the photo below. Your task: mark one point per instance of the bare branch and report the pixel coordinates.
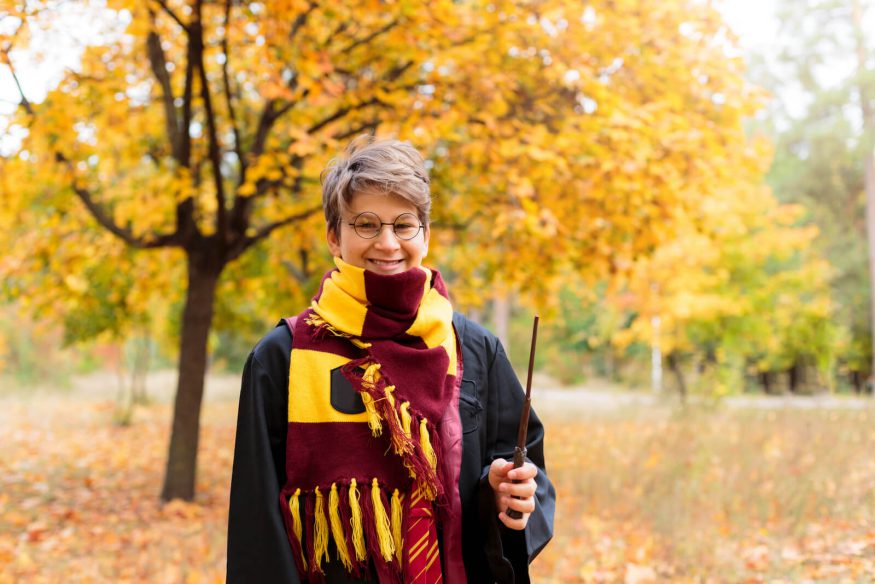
(386, 28)
(166, 8)
(303, 273)
(24, 101)
(103, 218)
(215, 149)
(229, 94)
(300, 20)
(246, 242)
(158, 62)
(265, 121)
(368, 126)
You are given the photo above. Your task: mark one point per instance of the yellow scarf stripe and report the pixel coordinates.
(344, 292)
(433, 324)
(310, 388)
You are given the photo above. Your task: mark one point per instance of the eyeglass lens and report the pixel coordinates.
(368, 225)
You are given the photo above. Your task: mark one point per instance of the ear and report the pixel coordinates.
(426, 232)
(333, 239)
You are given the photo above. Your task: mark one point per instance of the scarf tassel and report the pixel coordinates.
(315, 575)
(379, 535)
(397, 506)
(292, 519)
(337, 531)
(321, 329)
(417, 452)
(358, 536)
(320, 530)
(364, 522)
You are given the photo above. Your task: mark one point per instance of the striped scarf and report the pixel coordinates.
(373, 370)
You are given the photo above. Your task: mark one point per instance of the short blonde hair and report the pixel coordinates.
(369, 164)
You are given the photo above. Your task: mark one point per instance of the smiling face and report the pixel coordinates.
(385, 253)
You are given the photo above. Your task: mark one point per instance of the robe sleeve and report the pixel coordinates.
(509, 551)
(258, 548)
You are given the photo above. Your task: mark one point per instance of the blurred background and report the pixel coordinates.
(684, 191)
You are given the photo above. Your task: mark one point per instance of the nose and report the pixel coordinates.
(386, 240)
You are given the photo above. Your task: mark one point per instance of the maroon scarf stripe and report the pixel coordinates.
(390, 313)
(311, 468)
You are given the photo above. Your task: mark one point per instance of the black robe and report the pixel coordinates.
(490, 402)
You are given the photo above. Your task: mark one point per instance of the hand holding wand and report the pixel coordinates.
(519, 453)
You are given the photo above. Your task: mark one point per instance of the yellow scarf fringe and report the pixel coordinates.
(384, 528)
(337, 527)
(396, 525)
(320, 531)
(358, 535)
(295, 508)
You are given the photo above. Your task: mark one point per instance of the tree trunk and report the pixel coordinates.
(501, 318)
(675, 367)
(766, 380)
(857, 382)
(197, 316)
(793, 378)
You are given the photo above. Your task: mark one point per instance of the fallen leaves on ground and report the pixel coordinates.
(644, 496)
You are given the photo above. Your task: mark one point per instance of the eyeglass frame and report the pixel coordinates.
(381, 222)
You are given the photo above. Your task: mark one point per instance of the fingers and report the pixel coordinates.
(498, 472)
(524, 490)
(525, 505)
(514, 488)
(526, 471)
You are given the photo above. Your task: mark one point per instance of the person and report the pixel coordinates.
(374, 428)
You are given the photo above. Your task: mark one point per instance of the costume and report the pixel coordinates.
(489, 400)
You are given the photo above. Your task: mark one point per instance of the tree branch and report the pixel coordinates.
(185, 223)
(166, 8)
(372, 126)
(246, 242)
(229, 94)
(24, 101)
(303, 273)
(158, 62)
(102, 217)
(386, 28)
(300, 20)
(215, 149)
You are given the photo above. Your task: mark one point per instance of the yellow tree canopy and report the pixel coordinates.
(740, 280)
(562, 138)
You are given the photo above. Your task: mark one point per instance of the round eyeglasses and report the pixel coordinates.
(368, 225)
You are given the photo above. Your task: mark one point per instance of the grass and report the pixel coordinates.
(645, 494)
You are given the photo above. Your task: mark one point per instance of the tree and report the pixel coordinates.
(822, 123)
(741, 285)
(197, 130)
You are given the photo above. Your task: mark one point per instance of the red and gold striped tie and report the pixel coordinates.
(423, 557)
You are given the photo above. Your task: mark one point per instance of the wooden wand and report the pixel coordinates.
(519, 453)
